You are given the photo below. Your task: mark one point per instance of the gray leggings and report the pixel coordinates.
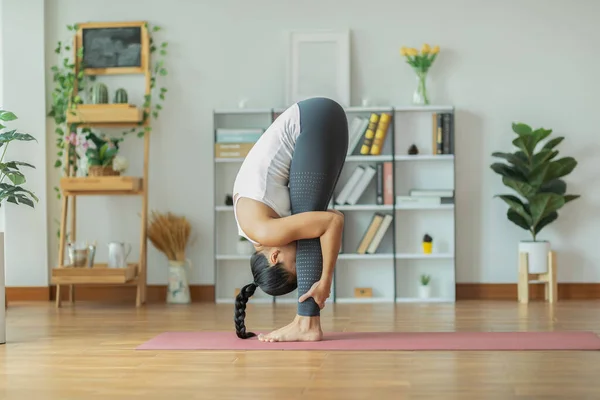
(318, 159)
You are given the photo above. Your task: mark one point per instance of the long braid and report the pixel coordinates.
(240, 311)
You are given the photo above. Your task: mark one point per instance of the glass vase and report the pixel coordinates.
(420, 96)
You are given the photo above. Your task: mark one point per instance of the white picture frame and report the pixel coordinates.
(318, 65)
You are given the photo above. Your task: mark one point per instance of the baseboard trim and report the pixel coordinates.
(508, 291)
(206, 293)
(106, 293)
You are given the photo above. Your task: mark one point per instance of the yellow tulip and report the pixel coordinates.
(413, 52)
(425, 49)
(403, 51)
(435, 50)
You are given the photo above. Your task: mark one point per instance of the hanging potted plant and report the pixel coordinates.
(11, 191)
(536, 177)
(170, 234)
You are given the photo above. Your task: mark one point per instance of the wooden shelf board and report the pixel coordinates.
(105, 113)
(101, 185)
(98, 274)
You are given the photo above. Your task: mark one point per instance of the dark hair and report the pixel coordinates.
(272, 279)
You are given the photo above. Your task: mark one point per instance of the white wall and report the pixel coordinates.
(23, 45)
(533, 61)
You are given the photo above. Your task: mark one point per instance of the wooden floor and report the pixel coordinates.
(87, 352)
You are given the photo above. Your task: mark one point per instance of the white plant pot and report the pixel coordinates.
(537, 255)
(425, 291)
(2, 293)
(244, 247)
(178, 289)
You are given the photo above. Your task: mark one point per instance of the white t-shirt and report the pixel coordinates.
(264, 174)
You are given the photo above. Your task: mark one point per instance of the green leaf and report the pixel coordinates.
(15, 164)
(507, 171)
(7, 116)
(12, 199)
(545, 221)
(521, 129)
(516, 160)
(15, 177)
(140, 134)
(543, 156)
(518, 220)
(163, 52)
(523, 188)
(552, 143)
(555, 186)
(543, 204)
(57, 164)
(538, 135)
(517, 205)
(571, 197)
(26, 201)
(559, 168)
(155, 29)
(163, 71)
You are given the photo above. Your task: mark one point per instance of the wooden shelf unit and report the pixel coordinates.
(393, 271)
(106, 116)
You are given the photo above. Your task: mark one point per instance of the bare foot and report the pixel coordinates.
(301, 329)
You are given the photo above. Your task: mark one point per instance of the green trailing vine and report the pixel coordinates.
(64, 99)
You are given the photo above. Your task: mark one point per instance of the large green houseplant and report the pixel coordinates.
(11, 190)
(535, 174)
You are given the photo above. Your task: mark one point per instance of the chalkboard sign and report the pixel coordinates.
(118, 47)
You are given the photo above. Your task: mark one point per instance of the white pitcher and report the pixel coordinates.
(117, 256)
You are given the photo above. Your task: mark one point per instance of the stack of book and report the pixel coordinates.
(428, 197)
(360, 180)
(367, 135)
(443, 133)
(235, 143)
(374, 233)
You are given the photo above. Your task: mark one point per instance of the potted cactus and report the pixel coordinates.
(535, 176)
(427, 244)
(11, 191)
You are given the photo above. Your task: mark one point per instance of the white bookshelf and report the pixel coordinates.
(393, 272)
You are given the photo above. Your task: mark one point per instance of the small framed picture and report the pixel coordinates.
(318, 65)
(113, 47)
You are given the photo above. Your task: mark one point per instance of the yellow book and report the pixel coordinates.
(369, 134)
(380, 134)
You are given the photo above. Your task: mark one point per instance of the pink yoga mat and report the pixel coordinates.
(362, 341)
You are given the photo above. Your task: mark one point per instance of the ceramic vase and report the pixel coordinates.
(178, 289)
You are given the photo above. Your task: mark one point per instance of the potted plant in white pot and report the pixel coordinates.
(425, 288)
(11, 191)
(535, 176)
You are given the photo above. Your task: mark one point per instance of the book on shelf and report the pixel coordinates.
(360, 179)
(443, 133)
(426, 197)
(224, 135)
(374, 233)
(367, 135)
(232, 150)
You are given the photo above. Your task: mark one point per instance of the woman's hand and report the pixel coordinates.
(319, 291)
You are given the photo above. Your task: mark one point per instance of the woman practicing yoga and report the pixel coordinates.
(281, 194)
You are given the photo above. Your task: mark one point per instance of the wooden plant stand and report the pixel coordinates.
(106, 116)
(548, 279)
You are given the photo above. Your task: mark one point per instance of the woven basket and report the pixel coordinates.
(98, 170)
